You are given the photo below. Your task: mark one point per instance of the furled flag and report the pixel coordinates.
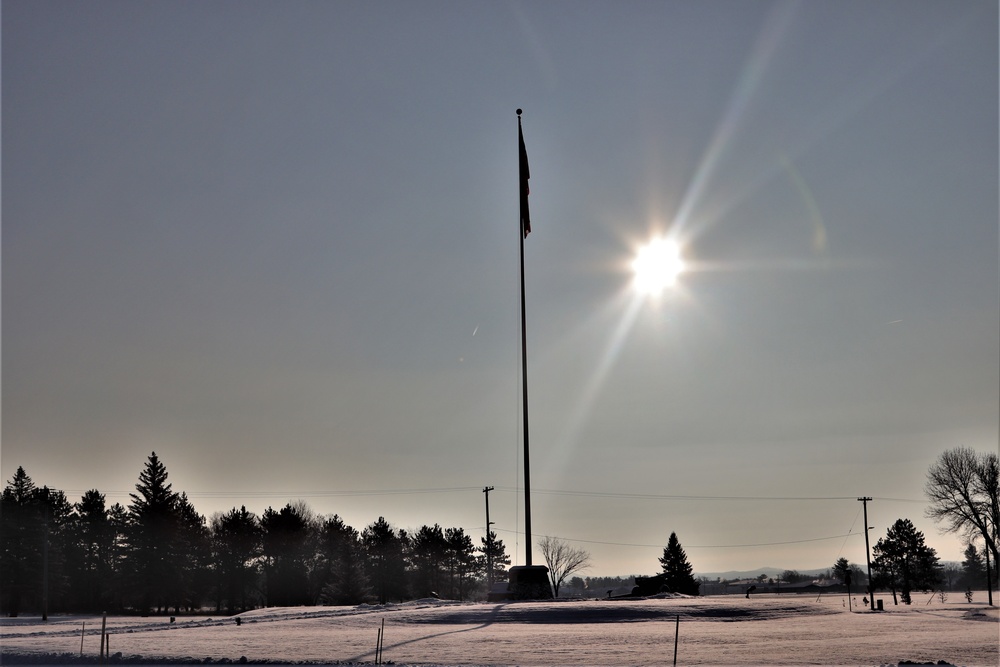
(524, 176)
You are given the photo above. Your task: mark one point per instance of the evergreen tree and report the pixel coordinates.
(236, 546)
(194, 556)
(20, 549)
(54, 517)
(33, 523)
(678, 571)
(118, 520)
(842, 571)
(973, 569)
(154, 559)
(460, 561)
(384, 551)
(428, 549)
(493, 554)
(903, 562)
(92, 553)
(342, 577)
(286, 545)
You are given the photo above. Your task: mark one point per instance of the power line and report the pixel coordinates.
(703, 546)
(458, 489)
(651, 496)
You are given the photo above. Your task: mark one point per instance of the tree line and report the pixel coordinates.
(159, 555)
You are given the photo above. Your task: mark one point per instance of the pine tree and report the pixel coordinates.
(342, 577)
(493, 554)
(194, 556)
(678, 571)
(428, 549)
(384, 550)
(20, 553)
(154, 559)
(118, 519)
(286, 542)
(461, 562)
(973, 569)
(236, 546)
(33, 523)
(92, 543)
(903, 562)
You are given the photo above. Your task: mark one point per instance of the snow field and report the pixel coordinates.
(723, 630)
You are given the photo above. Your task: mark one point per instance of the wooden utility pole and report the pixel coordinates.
(489, 542)
(868, 555)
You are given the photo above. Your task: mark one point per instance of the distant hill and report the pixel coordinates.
(771, 572)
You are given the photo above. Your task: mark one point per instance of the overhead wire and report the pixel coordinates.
(699, 546)
(456, 489)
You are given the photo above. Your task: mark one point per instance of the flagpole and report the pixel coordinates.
(526, 582)
(524, 377)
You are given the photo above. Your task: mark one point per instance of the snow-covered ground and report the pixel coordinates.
(724, 630)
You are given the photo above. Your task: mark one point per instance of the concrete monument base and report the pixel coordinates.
(528, 582)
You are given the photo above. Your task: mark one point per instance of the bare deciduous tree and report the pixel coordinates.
(562, 560)
(962, 487)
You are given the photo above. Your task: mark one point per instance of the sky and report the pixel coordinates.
(278, 244)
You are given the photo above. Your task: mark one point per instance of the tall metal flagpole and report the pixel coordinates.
(525, 228)
(526, 582)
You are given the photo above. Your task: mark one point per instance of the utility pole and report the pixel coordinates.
(489, 542)
(868, 555)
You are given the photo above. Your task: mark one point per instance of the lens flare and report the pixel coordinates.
(657, 265)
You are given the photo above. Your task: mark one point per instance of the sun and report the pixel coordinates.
(657, 265)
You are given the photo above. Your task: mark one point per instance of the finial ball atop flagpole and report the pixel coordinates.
(518, 112)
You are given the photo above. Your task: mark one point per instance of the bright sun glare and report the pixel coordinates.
(657, 265)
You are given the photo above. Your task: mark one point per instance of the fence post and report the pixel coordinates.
(677, 633)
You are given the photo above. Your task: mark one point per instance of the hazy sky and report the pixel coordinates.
(277, 243)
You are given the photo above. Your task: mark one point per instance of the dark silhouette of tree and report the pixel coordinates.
(286, 555)
(678, 571)
(92, 553)
(903, 562)
(461, 563)
(118, 519)
(384, 551)
(493, 554)
(56, 513)
(562, 560)
(194, 544)
(20, 549)
(973, 569)
(964, 491)
(236, 547)
(34, 525)
(844, 573)
(791, 577)
(428, 550)
(339, 573)
(154, 559)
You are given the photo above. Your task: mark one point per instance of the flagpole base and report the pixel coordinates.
(528, 582)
